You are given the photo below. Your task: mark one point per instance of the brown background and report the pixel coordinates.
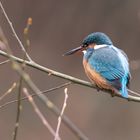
(59, 25)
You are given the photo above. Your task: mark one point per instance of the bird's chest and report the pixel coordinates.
(94, 76)
(91, 73)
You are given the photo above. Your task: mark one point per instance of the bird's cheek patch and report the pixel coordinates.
(92, 45)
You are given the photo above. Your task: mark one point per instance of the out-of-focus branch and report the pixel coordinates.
(4, 62)
(20, 83)
(67, 77)
(45, 100)
(16, 126)
(4, 46)
(14, 32)
(61, 114)
(77, 132)
(40, 115)
(33, 95)
(8, 91)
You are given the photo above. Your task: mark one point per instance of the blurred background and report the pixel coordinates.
(57, 27)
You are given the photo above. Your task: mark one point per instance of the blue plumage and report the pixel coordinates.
(97, 37)
(109, 65)
(105, 65)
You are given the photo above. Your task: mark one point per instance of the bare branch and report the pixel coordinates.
(14, 32)
(33, 95)
(8, 91)
(46, 101)
(27, 45)
(40, 115)
(4, 62)
(18, 113)
(67, 77)
(43, 98)
(61, 114)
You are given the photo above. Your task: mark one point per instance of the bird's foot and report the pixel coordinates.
(98, 88)
(112, 93)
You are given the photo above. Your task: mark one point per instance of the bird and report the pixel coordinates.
(105, 65)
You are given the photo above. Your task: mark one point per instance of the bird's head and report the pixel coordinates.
(91, 41)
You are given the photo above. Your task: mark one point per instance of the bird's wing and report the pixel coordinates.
(107, 63)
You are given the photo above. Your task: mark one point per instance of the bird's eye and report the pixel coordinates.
(85, 46)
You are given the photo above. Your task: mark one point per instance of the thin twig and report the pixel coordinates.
(15, 132)
(4, 62)
(67, 77)
(27, 45)
(14, 32)
(38, 112)
(33, 95)
(26, 33)
(8, 91)
(61, 114)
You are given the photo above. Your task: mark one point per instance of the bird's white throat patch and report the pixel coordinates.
(84, 51)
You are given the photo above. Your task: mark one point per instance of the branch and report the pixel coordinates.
(8, 91)
(61, 114)
(45, 99)
(4, 62)
(32, 86)
(15, 132)
(66, 77)
(33, 95)
(40, 115)
(14, 32)
(20, 83)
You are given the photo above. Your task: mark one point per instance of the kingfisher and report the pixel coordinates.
(105, 65)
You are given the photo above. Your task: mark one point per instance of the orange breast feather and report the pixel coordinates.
(96, 77)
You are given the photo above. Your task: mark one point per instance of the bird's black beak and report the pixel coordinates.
(73, 51)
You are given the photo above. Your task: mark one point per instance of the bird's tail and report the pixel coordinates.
(123, 90)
